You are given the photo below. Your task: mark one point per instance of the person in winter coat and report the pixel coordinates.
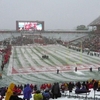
(37, 95)
(98, 87)
(55, 91)
(70, 87)
(77, 90)
(46, 95)
(9, 91)
(3, 91)
(63, 87)
(15, 97)
(81, 90)
(95, 85)
(78, 85)
(27, 92)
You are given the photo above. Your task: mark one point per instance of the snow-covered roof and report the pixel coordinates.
(95, 22)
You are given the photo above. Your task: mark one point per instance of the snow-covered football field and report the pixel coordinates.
(26, 65)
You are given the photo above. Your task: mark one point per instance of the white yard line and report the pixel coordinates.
(79, 55)
(21, 58)
(29, 58)
(41, 57)
(55, 53)
(52, 58)
(42, 63)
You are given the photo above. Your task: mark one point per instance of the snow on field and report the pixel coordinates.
(27, 65)
(23, 57)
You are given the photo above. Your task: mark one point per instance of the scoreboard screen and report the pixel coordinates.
(29, 25)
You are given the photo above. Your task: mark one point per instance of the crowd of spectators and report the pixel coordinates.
(47, 90)
(90, 44)
(31, 39)
(6, 52)
(20, 40)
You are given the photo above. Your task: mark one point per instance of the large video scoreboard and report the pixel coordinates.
(30, 25)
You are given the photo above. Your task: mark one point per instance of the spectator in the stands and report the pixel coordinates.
(49, 86)
(90, 44)
(15, 89)
(56, 91)
(82, 89)
(9, 91)
(21, 87)
(70, 86)
(37, 95)
(63, 87)
(90, 83)
(95, 85)
(77, 89)
(43, 86)
(98, 89)
(31, 85)
(35, 87)
(15, 97)
(78, 84)
(3, 91)
(27, 92)
(87, 85)
(46, 95)
(83, 83)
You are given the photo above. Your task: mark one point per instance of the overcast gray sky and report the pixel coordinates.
(57, 14)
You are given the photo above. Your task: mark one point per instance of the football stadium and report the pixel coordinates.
(31, 55)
